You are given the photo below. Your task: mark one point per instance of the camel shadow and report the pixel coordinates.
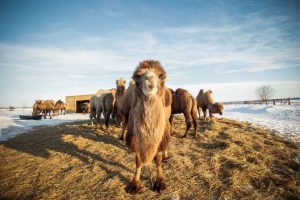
(43, 140)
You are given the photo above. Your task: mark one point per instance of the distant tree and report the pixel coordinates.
(11, 108)
(265, 92)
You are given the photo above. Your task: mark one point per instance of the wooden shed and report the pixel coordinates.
(74, 103)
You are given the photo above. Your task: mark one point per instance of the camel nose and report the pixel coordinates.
(151, 86)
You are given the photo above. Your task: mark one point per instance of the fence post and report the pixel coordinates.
(274, 102)
(289, 101)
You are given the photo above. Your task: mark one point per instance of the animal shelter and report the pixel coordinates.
(74, 103)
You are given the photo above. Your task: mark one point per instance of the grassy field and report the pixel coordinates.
(230, 160)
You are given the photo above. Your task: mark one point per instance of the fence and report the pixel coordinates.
(287, 101)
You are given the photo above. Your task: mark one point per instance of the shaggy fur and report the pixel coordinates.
(149, 128)
(205, 101)
(184, 102)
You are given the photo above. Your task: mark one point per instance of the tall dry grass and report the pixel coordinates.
(230, 160)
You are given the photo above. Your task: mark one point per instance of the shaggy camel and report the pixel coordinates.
(205, 101)
(47, 107)
(184, 102)
(148, 130)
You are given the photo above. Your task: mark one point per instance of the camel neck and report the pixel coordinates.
(120, 90)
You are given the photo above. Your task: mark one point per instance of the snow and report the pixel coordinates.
(283, 119)
(11, 125)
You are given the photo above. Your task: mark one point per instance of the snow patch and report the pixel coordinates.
(284, 119)
(11, 125)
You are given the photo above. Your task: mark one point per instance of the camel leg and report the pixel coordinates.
(188, 123)
(194, 117)
(107, 116)
(124, 125)
(204, 113)
(199, 111)
(160, 184)
(92, 117)
(134, 186)
(171, 124)
(211, 116)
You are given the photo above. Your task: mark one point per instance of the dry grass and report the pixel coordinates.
(231, 160)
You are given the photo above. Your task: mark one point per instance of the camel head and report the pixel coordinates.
(120, 82)
(149, 77)
(59, 102)
(201, 91)
(218, 108)
(38, 101)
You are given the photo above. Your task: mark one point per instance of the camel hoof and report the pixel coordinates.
(160, 185)
(121, 138)
(134, 187)
(165, 159)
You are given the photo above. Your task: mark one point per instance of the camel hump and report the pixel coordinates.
(209, 91)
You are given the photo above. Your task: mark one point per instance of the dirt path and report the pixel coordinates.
(78, 161)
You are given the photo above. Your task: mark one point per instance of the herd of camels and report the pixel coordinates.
(146, 109)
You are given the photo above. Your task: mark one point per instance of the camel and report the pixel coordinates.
(63, 109)
(205, 101)
(85, 108)
(47, 107)
(96, 105)
(148, 129)
(123, 103)
(184, 102)
(120, 85)
(37, 111)
(108, 102)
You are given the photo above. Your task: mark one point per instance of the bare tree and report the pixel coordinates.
(265, 92)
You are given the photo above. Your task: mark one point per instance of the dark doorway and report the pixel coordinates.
(79, 105)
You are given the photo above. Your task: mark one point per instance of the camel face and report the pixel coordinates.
(218, 108)
(150, 83)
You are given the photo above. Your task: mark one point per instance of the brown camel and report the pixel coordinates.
(108, 102)
(123, 103)
(85, 108)
(47, 107)
(205, 101)
(148, 130)
(36, 111)
(184, 102)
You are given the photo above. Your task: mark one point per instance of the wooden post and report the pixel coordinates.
(289, 101)
(274, 102)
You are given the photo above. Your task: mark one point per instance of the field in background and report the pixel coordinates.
(282, 119)
(230, 160)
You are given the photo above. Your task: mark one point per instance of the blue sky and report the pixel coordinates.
(50, 49)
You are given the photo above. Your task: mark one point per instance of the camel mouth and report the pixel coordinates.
(149, 92)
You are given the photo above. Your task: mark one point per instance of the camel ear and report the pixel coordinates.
(163, 76)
